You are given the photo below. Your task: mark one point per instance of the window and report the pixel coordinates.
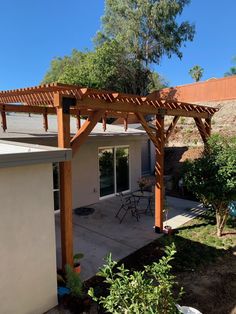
(113, 170)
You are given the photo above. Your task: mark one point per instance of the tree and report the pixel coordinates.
(147, 29)
(196, 72)
(212, 178)
(135, 35)
(107, 67)
(232, 70)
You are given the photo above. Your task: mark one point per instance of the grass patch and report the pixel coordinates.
(197, 243)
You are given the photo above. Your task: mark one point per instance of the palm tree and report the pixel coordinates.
(196, 72)
(232, 71)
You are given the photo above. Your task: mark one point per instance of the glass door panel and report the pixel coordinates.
(106, 170)
(122, 169)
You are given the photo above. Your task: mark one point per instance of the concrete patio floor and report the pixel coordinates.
(100, 233)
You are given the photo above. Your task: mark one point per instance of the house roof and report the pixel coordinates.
(16, 154)
(21, 125)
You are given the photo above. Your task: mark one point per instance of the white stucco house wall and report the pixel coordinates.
(107, 163)
(28, 281)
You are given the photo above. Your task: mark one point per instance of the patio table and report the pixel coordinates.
(145, 195)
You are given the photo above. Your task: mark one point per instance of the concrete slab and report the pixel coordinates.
(100, 233)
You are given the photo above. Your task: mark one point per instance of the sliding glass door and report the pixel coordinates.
(122, 169)
(113, 170)
(107, 173)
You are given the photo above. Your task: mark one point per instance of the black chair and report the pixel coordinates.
(128, 204)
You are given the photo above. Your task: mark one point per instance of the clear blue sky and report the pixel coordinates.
(34, 32)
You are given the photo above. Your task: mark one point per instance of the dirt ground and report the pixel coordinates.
(211, 290)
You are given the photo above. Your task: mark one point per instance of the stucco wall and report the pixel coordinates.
(85, 167)
(85, 164)
(27, 246)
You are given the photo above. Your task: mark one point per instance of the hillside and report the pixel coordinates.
(223, 122)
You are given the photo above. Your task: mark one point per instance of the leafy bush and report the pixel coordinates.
(212, 178)
(73, 282)
(141, 292)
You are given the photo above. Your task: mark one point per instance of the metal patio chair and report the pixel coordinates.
(128, 204)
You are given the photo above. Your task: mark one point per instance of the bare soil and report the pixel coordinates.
(212, 290)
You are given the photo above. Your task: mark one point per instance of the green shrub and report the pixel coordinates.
(140, 292)
(73, 282)
(212, 177)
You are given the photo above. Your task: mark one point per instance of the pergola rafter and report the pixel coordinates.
(65, 100)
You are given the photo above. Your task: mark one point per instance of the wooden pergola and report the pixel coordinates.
(65, 100)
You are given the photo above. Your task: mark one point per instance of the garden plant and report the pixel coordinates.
(212, 177)
(140, 292)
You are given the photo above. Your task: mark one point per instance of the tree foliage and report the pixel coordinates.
(148, 29)
(107, 67)
(213, 177)
(196, 72)
(232, 70)
(135, 34)
(145, 292)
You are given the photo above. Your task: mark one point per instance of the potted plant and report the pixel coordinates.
(144, 183)
(77, 257)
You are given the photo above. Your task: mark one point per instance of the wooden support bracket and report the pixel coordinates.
(201, 128)
(171, 128)
(149, 131)
(208, 126)
(82, 134)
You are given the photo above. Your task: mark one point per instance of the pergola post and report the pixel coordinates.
(63, 119)
(159, 172)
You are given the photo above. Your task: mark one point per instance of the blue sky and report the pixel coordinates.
(34, 32)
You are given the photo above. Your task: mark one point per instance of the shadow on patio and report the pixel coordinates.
(100, 233)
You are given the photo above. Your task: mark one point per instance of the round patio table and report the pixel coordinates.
(146, 195)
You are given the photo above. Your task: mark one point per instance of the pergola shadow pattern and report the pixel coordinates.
(65, 100)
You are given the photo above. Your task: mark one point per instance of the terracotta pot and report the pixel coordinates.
(168, 230)
(77, 268)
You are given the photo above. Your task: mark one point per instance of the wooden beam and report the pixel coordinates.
(159, 172)
(63, 120)
(147, 128)
(27, 109)
(112, 109)
(171, 128)
(52, 110)
(126, 106)
(201, 128)
(4, 120)
(82, 134)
